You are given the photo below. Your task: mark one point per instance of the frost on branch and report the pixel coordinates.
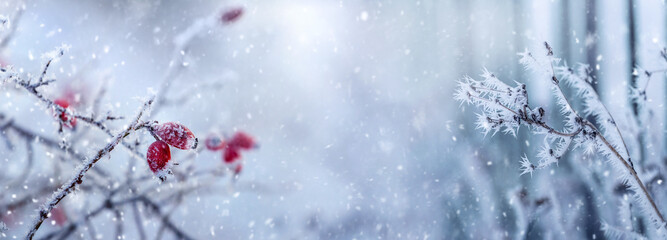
(54, 55)
(506, 107)
(81, 171)
(612, 232)
(498, 101)
(100, 190)
(4, 20)
(526, 166)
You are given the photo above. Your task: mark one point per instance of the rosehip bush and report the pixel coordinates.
(78, 108)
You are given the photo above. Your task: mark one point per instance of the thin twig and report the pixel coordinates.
(165, 219)
(589, 131)
(33, 89)
(46, 141)
(78, 178)
(138, 221)
(632, 172)
(12, 31)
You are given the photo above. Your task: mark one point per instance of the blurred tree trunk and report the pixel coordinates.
(591, 42)
(633, 48)
(633, 56)
(517, 19)
(565, 30)
(632, 41)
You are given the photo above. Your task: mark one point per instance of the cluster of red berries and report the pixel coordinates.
(231, 150)
(159, 153)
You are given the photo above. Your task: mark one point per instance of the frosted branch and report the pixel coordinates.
(77, 179)
(505, 108)
(13, 25)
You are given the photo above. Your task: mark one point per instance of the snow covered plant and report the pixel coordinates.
(505, 108)
(72, 158)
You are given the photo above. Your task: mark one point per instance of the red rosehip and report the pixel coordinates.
(58, 216)
(62, 102)
(231, 154)
(214, 142)
(177, 135)
(68, 120)
(231, 15)
(238, 169)
(158, 159)
(242, 140)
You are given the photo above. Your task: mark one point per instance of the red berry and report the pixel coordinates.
(214, 142)
(231, 15)
(158, 158)
(177, 135)
(62, 102)
(242, 140)
(238, 169)
(230, 155)
(68, 120)
(58, 216)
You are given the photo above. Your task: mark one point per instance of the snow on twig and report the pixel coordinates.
(77, 179)
(505, 108)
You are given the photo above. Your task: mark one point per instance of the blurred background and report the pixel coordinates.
(352, 104)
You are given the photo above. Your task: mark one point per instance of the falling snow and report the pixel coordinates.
(333, 119)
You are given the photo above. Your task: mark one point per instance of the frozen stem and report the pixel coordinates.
(77, 179)
(506, 108)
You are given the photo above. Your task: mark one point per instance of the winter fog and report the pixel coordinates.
(427, 119)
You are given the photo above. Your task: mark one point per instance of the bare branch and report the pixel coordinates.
(78, 178)
(14, 25)
(506, 107)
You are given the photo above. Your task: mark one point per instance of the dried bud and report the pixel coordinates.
(231, 15)
(550, 51)
(215, 142)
